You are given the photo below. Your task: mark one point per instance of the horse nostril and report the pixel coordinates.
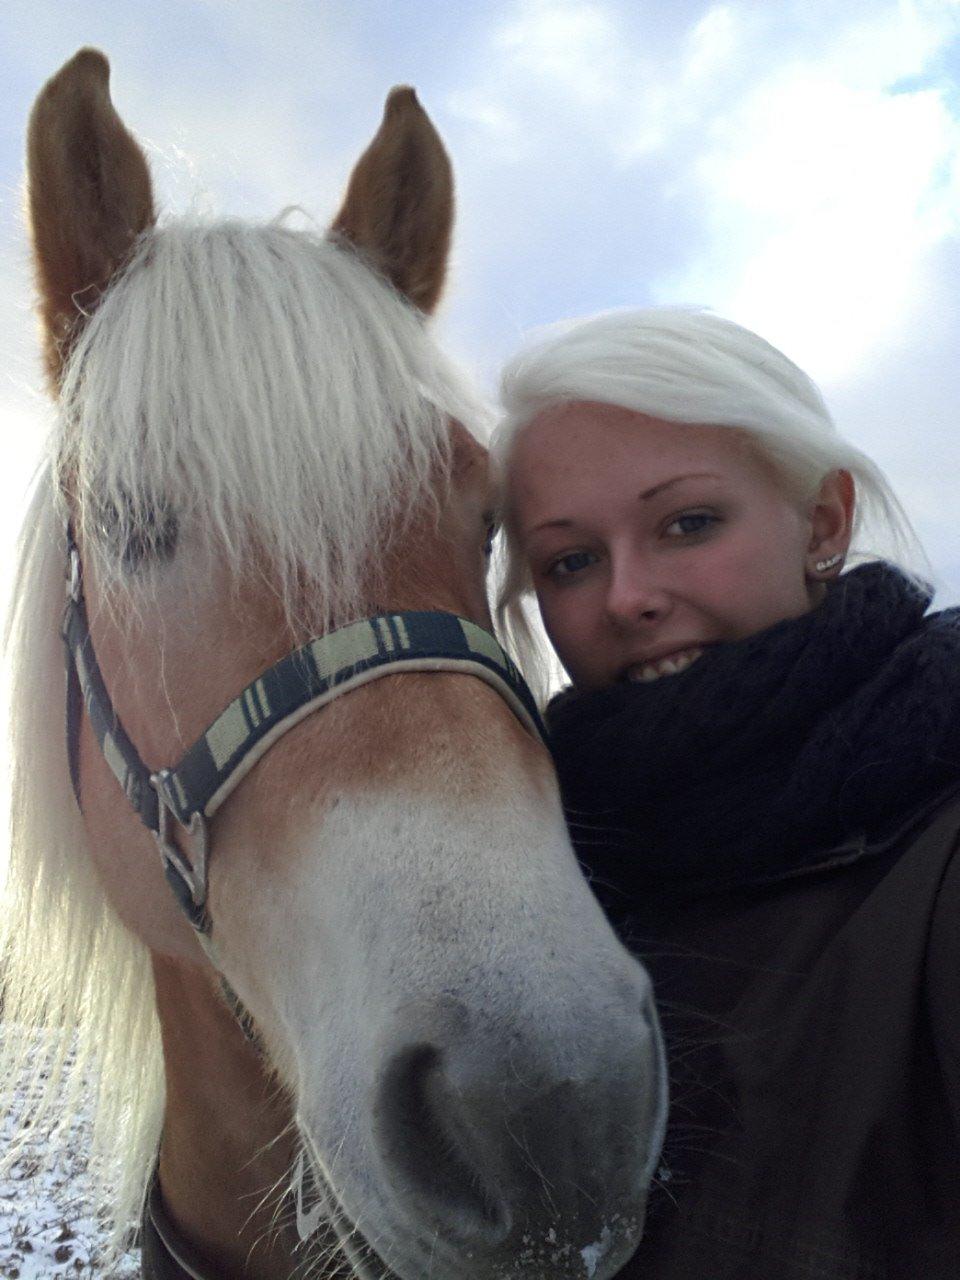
(431, 1150)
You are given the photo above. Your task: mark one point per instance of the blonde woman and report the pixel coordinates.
(760, 757)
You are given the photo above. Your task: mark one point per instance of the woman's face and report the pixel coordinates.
(648, 541)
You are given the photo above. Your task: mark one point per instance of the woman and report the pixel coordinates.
(760, 758)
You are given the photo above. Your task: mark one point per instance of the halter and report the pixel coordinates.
(186, 795)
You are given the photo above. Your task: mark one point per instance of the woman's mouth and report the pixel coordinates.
(669, 665)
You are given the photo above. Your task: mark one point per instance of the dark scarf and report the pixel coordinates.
(768, 753)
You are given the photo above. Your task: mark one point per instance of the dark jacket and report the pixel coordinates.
(813, 1032)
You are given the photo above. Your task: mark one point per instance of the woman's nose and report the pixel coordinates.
(635, 596)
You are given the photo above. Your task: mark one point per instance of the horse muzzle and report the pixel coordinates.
(489, 1153)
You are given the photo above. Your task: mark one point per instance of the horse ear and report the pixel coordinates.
(399, 204)
(89, 197)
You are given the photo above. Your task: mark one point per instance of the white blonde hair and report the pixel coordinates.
(267, 386)
(687, 366)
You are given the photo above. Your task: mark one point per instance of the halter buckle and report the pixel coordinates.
(192, 873)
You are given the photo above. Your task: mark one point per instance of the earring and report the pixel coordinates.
(831, 562)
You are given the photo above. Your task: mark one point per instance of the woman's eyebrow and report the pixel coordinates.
(565, 523)
(550, 524)
(689, 475)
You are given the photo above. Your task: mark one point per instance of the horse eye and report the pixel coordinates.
(137, 535)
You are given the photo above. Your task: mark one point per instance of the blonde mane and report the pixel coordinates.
(265, 383)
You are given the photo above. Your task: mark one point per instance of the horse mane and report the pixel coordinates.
(265, 383)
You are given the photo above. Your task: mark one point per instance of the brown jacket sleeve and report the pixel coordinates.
(943, 982)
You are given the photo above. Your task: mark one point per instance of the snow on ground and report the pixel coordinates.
(49, 1230)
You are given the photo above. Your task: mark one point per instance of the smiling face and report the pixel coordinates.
(648, 541)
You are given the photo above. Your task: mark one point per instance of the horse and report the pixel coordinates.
(379, 1027)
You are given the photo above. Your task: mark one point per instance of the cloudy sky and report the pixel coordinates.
(793, 164)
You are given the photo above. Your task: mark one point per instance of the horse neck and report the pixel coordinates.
(227, 1144)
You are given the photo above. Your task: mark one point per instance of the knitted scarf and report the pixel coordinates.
(769, 753)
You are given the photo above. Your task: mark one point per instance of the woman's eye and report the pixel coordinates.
(567, 566)
(690, 524)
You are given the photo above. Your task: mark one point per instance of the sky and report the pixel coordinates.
(792, 165)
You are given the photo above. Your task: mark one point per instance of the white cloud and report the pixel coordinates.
(678, 100)
(503, 135)
(815, 174)
(573, 44)
(897, 40)
(823, 191)
(588, 71)
(711, 44)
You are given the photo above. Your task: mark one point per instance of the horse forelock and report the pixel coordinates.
(264, 384)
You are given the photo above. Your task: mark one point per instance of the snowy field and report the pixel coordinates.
(48, 1228)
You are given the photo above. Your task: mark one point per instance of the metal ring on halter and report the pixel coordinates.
(74, 574)
(193, 874)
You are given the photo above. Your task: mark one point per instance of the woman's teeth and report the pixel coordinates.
(669, 666)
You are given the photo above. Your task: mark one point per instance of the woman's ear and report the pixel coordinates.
(831, 519)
